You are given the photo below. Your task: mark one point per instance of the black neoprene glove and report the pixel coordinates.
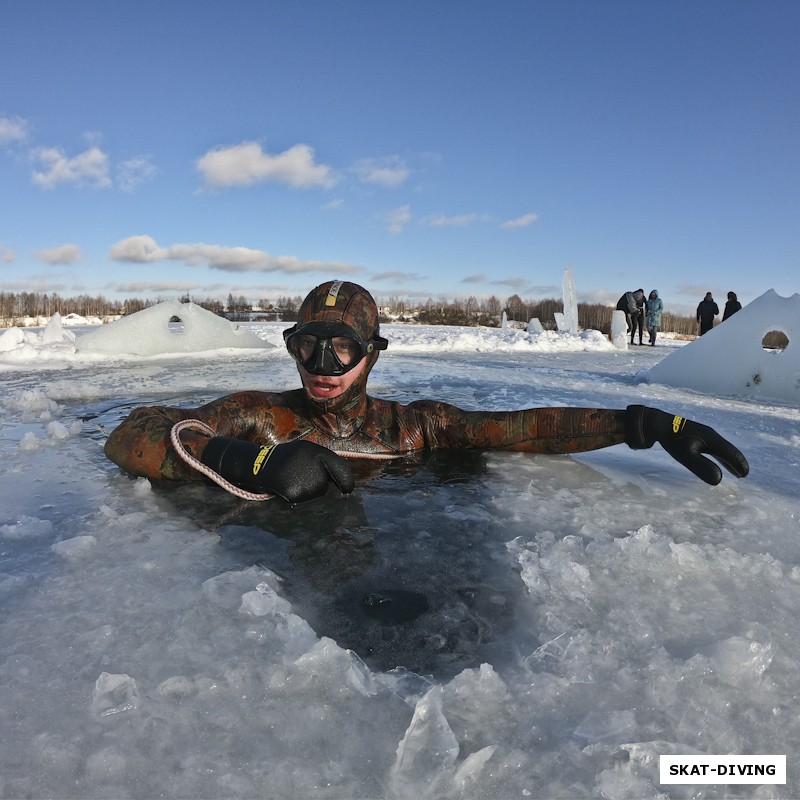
(685, 441)
(295, 471)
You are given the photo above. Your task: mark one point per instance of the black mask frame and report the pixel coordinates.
(323, 359)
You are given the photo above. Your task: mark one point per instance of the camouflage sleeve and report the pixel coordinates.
(534, 430)
(141, 443)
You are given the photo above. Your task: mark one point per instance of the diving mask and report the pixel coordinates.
(326, 348)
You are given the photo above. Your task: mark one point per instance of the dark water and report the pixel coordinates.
(409, 571)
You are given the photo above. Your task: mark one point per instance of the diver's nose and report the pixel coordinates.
(322, 360)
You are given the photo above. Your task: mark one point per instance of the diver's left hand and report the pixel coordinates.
(686, 441)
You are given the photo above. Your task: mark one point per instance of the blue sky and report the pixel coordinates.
(423, 149)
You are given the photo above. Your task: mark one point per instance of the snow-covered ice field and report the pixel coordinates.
(572, 618)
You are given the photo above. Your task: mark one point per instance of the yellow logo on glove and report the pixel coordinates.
(677, 424)
(263, 456)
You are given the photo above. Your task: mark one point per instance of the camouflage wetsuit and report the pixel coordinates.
(368, 426)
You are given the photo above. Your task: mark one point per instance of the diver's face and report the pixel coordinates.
(327, 387)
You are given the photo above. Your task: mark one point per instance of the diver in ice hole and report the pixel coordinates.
(293, 444)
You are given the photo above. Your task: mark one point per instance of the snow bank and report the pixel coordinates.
(731, 359)
(448, 338)
(153, 331)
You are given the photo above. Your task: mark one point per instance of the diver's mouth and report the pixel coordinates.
(319, 388)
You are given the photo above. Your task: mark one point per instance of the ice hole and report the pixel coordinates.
(175, 324)
(775, 340)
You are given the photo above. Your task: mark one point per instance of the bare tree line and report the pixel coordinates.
(591, 316)
(15, 306)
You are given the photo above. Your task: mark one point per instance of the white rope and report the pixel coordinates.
(197, 425)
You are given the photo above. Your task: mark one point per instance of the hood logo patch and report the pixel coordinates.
(333, 293)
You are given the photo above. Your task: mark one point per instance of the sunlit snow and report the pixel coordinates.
(585, 614)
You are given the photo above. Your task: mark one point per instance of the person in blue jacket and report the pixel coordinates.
(654, 308)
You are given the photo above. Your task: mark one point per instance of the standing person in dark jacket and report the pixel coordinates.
(732, 306)
(706, 312)
(294, 444)
(637, 321)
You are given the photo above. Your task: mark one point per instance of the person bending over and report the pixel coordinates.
(632, 304)
(294, 444)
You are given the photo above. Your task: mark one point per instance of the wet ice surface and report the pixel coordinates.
(584, 614)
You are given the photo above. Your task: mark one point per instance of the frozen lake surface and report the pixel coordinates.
(482, 625)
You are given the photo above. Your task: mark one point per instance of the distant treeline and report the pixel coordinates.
(14, 306)
(18, 305)
(591, 316)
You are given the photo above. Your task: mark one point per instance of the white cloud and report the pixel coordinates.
(245, 164)
(92, 138)
(157, 286)
(39, 283)
(602, 296)
(13, 129)
(517, 284)
(6, 255)
(144, 249)
(334, 205)
(229, 259)
(694, 289)
(139, 249)
(396, 276)
(521, 222)
(65, 254)
(389, 172)
(457, 220)
(52, 166)
(89, 168)
(135, 171)
(397, 220)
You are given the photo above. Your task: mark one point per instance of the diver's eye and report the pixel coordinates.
(346, 349)
(306, 346)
